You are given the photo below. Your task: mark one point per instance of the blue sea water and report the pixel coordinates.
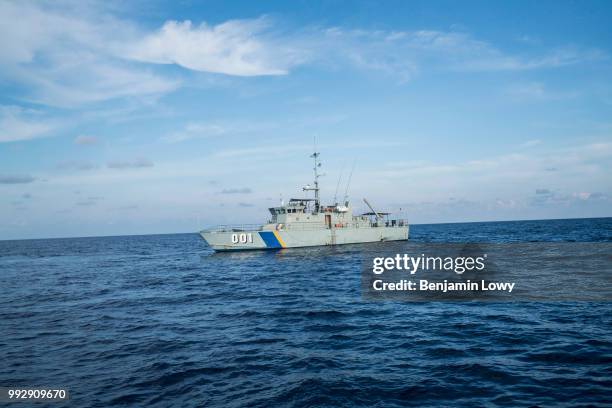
(161, 320)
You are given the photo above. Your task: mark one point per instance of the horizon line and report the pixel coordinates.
(196, 232)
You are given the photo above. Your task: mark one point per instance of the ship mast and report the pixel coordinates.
(315, 188)
(317, 164)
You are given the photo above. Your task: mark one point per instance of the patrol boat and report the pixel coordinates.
(304, 222)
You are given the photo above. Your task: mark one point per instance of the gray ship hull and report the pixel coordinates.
(278, 239)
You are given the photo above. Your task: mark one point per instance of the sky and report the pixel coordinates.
(158, 117)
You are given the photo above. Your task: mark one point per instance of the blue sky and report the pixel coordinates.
(157, 117)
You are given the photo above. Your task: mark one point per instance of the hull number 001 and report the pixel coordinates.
(242, 238)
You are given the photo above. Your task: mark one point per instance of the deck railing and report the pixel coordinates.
(306, 226)
(234, 228)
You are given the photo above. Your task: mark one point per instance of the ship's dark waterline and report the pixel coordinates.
(162, 321)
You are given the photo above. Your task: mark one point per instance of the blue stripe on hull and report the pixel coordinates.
(270, 239)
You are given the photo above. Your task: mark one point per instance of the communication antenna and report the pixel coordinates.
(338, 186)
(348, 183)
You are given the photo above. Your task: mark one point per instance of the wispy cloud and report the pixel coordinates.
(89, 80)
(236, 47)
(16, 179)
(18, 124)
(128, 208)
(406, 54)
(129, 164)
(546, 197)
(202, 130)
(76, 165)
(196, 131)
(530, 143)
(63, 56)
(85, 140)
(579, 168)
(492, 59)
(536, 91)
(69, 56)
(243, 190)
(264, 151)
(530, 90)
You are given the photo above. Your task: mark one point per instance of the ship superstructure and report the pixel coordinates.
(304, 222)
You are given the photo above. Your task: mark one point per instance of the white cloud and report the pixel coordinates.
(18, 124)
(64, 57)
(71, 55)
(236, 47)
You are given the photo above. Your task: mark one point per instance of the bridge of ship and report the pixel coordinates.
(300, 214)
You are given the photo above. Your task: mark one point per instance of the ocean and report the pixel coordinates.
(161, 320)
